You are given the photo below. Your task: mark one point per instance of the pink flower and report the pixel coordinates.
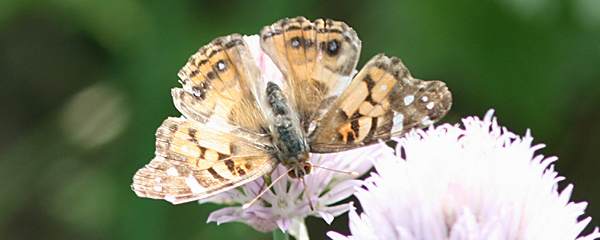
(476, 182)
(286, 205)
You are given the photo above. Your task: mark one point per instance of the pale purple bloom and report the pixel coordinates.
(286, 205)
(476, 182)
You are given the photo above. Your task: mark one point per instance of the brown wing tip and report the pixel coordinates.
(441, 95)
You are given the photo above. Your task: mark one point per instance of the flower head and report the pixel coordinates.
(480, 182)
(286, 205)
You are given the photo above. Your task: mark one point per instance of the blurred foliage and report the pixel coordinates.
(86, 83)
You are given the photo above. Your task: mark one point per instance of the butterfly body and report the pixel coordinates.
(289, 137)
(237, 126)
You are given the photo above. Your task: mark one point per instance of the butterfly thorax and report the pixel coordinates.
(289, 138)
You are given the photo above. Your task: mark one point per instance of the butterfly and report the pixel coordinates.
(237, 126)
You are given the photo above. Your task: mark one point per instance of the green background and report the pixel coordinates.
(84, 85)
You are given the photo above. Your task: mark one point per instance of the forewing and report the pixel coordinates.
(316, 59)
(195, 160)
(218, 85)
(383, 100)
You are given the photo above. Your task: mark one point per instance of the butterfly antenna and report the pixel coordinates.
(307, 195)
(353, 173)
(265, 182)
(248, 204)
(263, 191)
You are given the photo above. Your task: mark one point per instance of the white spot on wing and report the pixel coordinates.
(430, 105)
(426, 121)
(157, 188)
(383, 87)
(398, 122)
(184, 148)
(312, 126)
(172, 172)
(170, 198)
(194, 185)
(408, 99)
(424, 99)
(221, 66)
(158, 179)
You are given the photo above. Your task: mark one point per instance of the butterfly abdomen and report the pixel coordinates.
(288, 135)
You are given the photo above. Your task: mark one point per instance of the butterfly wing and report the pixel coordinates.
(195, 160)
(222, 139)
(219, 86)
(383, 100)
(316, 59)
